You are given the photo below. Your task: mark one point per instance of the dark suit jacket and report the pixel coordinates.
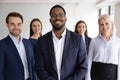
(87, 41)
(11, 67)
(74, 60)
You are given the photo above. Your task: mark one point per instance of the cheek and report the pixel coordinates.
(110, 27)
(21, 28)
(65, 19)
(33, 28)
(40, 29)
(51, 19)
(101, 29)
(78, 29)
(84, 29)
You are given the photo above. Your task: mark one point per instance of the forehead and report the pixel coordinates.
(81, 23)
(15, 19)
(35, 22)
(105, 21)
(57, 10)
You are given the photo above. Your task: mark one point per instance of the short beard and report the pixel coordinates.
(57, 28)
(14, 34)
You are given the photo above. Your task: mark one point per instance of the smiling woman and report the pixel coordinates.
(104, 52)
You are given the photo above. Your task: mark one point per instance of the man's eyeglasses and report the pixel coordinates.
(57, 15)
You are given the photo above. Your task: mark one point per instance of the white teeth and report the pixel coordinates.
(57, 22)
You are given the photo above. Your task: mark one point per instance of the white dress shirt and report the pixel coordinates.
(58, 48)
(21, 50)
(105, 52)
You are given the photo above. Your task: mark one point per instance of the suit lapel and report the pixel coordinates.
(66, 45)
(86, 40)
(13, 48)
(51, 50)
(26, 50)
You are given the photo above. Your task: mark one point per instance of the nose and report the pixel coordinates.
(58, 17)
(16, 26)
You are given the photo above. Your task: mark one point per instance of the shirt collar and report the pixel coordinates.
(63, 34)
(15, 39)
(100, 36)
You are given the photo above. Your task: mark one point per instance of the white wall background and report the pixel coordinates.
(117, 19)
(41, 11)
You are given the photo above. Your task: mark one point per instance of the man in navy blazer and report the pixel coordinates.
(60, 54)
(16, 54)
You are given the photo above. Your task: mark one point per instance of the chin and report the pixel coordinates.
(16, 35)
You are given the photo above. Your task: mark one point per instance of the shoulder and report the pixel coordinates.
(4, 43)
(74, 35)
(88, 38)
(116, 39)
(4, 40)
(95, 39)
(46, 36)
(33, 40)
(26, 41)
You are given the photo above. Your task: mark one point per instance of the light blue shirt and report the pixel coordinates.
(21, 50)
(105, 52)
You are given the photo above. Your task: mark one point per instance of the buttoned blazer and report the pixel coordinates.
(74, 58)
(11, 67)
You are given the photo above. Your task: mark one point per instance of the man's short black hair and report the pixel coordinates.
(14, 14)
(57, 6)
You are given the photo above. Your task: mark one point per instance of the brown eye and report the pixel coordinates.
(53, 16)
(107, 23)
(57, 15)
(12, 24)
(19, 24)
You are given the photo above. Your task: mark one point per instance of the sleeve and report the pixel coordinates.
(90, 57)
(1, 62)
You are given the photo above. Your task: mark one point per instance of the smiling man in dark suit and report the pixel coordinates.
(16, 54)
(60, 54)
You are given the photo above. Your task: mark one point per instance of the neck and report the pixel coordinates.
(106, 37)
(58, 33)
(83, 35)
(18, 38)
(35, 36)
